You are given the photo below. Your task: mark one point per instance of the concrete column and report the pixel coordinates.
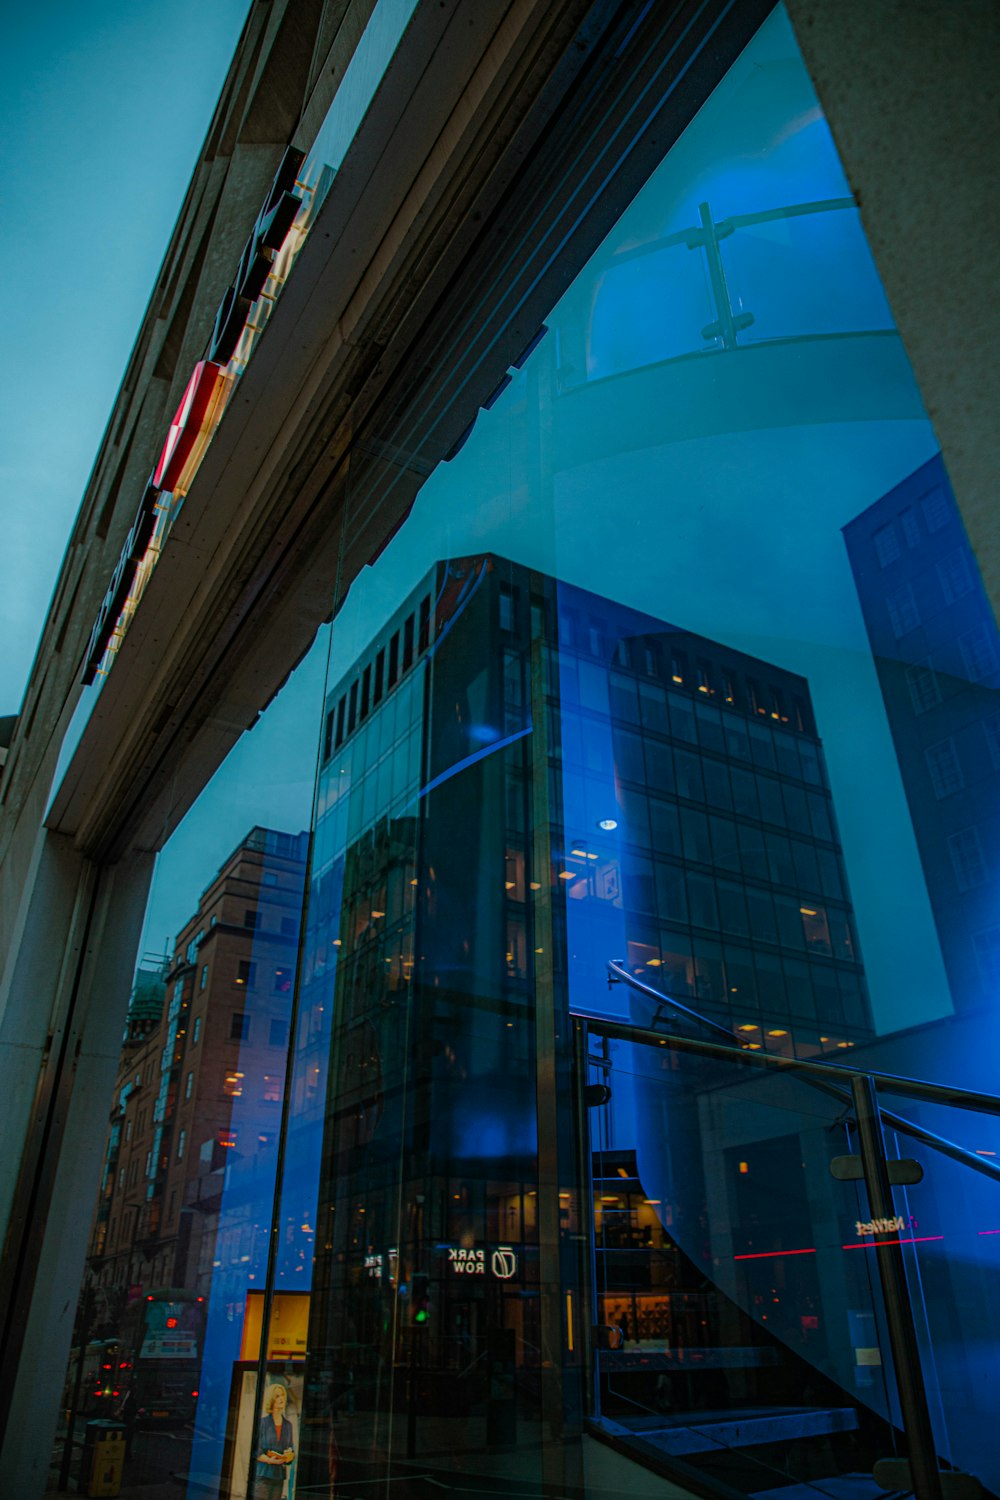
(909, 89)
(64, 1001)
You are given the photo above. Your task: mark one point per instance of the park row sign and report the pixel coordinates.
(275, 240)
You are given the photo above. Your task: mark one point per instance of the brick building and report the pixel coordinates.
(202, 1068)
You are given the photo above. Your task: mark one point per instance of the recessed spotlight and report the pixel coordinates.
(608, 825)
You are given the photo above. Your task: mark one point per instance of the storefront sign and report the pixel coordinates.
(139, 537)
(191, 430)
(463, 1261)
(201, 407)
(880, 1226)
(503, 1262)
(266, 238)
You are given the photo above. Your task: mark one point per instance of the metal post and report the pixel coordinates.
(924, 1472)
(86, 1310)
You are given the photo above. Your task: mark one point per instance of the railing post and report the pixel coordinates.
(924, 1472)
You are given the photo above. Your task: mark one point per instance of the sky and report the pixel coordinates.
(103, 110)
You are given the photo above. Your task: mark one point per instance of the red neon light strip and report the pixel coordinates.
(767, 1254)
(870, 1244)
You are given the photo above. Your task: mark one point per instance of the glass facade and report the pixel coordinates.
(664, 722)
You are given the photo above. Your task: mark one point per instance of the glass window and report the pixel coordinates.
(967, 859)
(910, 526)
(611, 692)
(903, 613)
(886, 543)
(991, 730)
(923, 686)
(937, 509)
(979, 652)
(944, 768)
(955, 575)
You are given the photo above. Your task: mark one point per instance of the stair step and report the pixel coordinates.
(744, 1431)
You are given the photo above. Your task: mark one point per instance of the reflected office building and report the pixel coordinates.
(936, 648)
(521, 782)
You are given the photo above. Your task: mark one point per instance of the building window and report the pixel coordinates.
(188, 1086)
(944, 768)
(128, 1130)
(937, 512)
(887, 547)
(246, 973)
(204, 977)
(903, 613)
(282, 981)
(506, 610)
(278, 1035)
(967, 859)
(250, 917)
(923, 686)
(955, 575)
(987, 946)
(979, 652)
(181, 1139)
(379, 677)
(239, 1027)
(272, 1088)
(289, 927)
(911, 527)
(991, 729)
(226, 1139)
(196, 1033)
(232, 1083)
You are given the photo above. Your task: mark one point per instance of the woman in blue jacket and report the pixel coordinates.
(275, 1446)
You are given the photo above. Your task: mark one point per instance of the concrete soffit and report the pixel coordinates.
(405, 308)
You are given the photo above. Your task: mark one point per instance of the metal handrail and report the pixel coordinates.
(922, 1466)
(892, 1083)
(629, 1033)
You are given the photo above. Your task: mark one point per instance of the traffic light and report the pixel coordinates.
(420, 1299)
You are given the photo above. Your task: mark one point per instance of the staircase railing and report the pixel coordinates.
(858, 1089)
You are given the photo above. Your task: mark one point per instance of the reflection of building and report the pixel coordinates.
(202, 1068)
(521, 780)
(936, 648)
(720, 865)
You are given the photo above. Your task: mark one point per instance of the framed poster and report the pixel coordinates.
(264, 1432)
